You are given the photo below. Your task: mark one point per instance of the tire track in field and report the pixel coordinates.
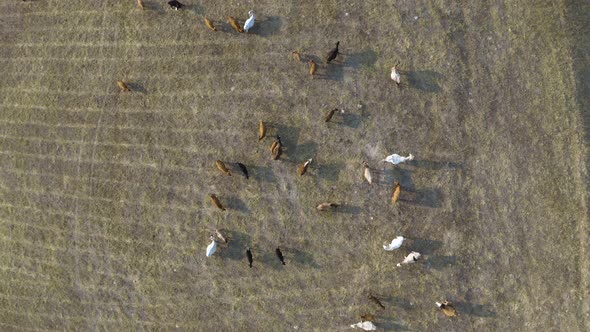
(79, 284)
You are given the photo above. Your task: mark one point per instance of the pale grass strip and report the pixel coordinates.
(48, 211)
(61, 316)
(57, 232)
(135, 164)
(131, 78)
(134, 44)
(188, 60)
(70, 214)
(20, 327)
(96, 110)
(119, 259)
(162, 300)
(22, 271)
(123, 145)
(106, 304)
(183, 189)
(194, 93)
(121, 128)
(151, 205)
(64, 13)
(106, 237)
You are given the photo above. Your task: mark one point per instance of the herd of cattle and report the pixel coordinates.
(276, 150)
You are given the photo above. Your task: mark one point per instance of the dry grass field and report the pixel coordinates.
(104, 208)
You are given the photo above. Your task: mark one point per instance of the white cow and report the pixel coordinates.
(397, 159)
(211, 247)
(411, 258)
(395, 244)
(250, 22)
(366, 325)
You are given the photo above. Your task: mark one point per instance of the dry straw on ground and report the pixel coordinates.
(104, 214)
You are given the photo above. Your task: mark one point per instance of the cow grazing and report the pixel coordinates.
(396, 192)
(123, 86)
(367, 173)
(447, 308)
(216, 202)
(280, 255)
(395, 244)
(366, 325)
(333, 53)
(327, 206)
(395, 76)
(175, 4)
(397, 159)
(261, 130)
(211, 247)
(210, 24)
(234, 24)
(411, 258)
(220, 236)
(303, 167)
(329, 115)
(249, 254)
(276, 148)
(375, 300)
(296, 56)
(221, 166)
(244, 170)
(274, 144)
(140, 4)
(250, 21)
(313, 67)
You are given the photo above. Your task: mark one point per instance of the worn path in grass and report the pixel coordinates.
(104, 214)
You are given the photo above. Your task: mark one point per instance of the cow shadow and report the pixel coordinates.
(346, 119)
(348, 209)
(399, 302)
(196, 9)
(289, 137)
(136, 87)
(474, 309)
(299, 257)
(429, 197)
(424, 246)
(237, 243)
(268, 26)
(440, 262)
(333, 71)
(235, 203)
(366, 58)
(351, 120)
(270, 259)
(261, 173)
(153, 6)
(389, 324)
(424, 80)
(389, 176)
(330, 171)
(306, 150)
